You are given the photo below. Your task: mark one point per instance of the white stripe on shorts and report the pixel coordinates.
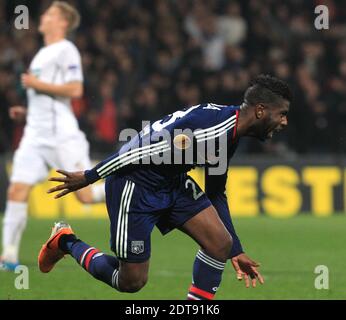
(121, 237)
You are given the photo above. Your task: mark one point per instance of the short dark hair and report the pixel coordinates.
(267, 89)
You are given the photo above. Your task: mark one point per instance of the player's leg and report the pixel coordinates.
(208, 231)
(63, 241)
(130, 240)
(91, 194)
(194, 214)
(132, 276)
(28, 169)
(132, 221)
(14, 222)
(78, 159)
(122, 276)
(18, 191)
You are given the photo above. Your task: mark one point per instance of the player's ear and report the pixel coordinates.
(259, 110)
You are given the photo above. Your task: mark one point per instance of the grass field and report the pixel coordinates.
(288, 250)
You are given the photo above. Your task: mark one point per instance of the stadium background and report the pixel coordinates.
(143, 59)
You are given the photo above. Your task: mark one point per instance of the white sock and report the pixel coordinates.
(98, 192)
(13, 227)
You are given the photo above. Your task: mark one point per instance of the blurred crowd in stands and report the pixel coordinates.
(146, 58)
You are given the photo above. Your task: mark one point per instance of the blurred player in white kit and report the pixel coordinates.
(52, 138)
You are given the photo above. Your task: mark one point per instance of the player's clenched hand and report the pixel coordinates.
(71, 181)
(17, 113)
(29, 80)
(247, 269)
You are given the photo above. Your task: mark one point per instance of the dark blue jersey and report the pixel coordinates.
(152, 158)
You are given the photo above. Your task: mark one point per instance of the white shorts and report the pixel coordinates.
(32, 161)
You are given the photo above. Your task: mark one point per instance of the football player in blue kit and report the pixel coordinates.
(147, 185)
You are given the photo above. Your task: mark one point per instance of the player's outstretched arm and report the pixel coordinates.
(215, 190)
(69, 182)
(121, 160)
(244, 267)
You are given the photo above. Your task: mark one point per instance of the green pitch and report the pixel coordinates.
(288, 249)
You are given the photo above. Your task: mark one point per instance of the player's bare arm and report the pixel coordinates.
(70, 90)
(70, 182)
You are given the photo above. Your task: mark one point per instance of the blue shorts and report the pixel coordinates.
(134, 210)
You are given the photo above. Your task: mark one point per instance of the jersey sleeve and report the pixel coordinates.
(129, 156)
(71, 65)
(215, 186)
(97, 173)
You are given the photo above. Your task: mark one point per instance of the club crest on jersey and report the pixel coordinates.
(137, 247)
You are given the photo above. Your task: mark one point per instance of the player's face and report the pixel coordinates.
(273, 119)
(51, 20)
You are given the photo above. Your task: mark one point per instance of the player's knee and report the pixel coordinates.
(221, 248)
(84, 197)
(133, 285)
(227, 247)
(18, 192)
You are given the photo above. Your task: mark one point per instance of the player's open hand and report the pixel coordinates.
(247, 269)
(71, 181)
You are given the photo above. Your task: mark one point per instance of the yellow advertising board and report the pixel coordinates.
(279, 191)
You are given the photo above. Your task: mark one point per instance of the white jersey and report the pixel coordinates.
(51, 118)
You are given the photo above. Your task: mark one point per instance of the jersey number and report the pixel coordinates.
(159, 124)
(191, 183)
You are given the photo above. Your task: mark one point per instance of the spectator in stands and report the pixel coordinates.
(142, 59)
